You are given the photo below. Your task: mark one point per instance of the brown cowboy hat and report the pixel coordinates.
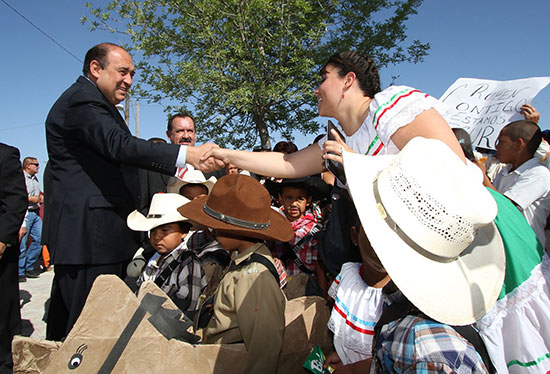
(240, 205)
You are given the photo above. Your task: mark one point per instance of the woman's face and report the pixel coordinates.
(329, 93)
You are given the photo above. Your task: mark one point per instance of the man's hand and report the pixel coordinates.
(22, 232)
(2, 249)
(35, 199)
(195, 158)
(530, 113)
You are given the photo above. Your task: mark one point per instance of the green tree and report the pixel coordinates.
(249, 67)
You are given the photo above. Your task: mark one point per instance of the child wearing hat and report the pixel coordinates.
(174, 268)
(428, 238)
(248, 305)
(295, 197)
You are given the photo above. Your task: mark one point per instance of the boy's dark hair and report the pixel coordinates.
(528, 131)
(285, 147)
(362, 65)
(301, 186)
(182, 188)
(184, 226)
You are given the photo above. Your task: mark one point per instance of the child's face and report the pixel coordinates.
(193, 191)
(167, 237)
(231, 242)
(295, 201)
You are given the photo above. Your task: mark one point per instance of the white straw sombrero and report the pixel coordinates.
(430, 222)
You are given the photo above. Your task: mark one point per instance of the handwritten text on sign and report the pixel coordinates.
(483, 107)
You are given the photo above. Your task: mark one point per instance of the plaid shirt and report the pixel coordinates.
(417, 345)
(308, 254)
(185, 284)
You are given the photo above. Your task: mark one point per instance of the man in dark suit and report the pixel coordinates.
(13, 205)
(94, 181)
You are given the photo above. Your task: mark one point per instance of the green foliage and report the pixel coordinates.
(249, 67)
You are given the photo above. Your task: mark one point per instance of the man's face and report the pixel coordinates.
(32, 167)
(115, 79)
(183, 131)
(506, 148)
(295, 201)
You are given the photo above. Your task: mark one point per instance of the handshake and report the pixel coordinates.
(206, 157)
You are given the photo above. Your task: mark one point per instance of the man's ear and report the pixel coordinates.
(95, 69)
(309, 200)
(520, 144)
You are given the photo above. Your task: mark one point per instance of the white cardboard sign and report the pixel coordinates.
(483, 107)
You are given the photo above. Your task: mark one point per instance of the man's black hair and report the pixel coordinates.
(99, 53)
(181, 115)
(528, 131)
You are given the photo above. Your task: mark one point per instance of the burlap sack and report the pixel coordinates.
(32, 356)
(114, 335)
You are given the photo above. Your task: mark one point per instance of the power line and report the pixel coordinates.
(39, 29)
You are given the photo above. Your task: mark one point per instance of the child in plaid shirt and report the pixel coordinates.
(174, 268)
(296, 197)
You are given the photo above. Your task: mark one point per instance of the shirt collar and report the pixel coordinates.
(246, 254)
(529, 164)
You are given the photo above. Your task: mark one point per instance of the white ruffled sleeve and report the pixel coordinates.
(398, 106)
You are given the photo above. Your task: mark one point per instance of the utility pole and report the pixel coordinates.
(127, 110)
(137, 118)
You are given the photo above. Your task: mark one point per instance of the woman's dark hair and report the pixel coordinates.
(362, 65)
(465, 142)
(285, 147)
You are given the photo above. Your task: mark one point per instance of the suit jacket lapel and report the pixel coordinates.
(99, 95)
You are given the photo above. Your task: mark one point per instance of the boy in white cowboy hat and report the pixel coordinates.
(213, 257)
(428, 223)
(192, 185)
(174, 268)
(249, 305)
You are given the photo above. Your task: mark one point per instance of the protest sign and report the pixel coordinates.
(483, 107)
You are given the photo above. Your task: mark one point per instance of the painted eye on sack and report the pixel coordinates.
(76, 359)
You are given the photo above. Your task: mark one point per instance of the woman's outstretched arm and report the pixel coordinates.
(305, 162)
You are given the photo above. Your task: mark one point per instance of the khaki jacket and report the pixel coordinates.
(249, 307)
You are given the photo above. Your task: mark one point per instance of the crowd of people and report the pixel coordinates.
(430, 254)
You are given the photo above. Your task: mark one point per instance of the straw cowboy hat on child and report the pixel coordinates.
(430, 222)
(240, 205)
(194, 177)
(163, 210)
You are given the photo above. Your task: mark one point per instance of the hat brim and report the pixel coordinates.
(138, 222)
(456, 293)
(279, 227)
(178, 184)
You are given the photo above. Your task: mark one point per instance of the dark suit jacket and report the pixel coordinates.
(94, 178)
(13, 196)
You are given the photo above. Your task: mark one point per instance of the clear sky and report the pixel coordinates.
(489, 39)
